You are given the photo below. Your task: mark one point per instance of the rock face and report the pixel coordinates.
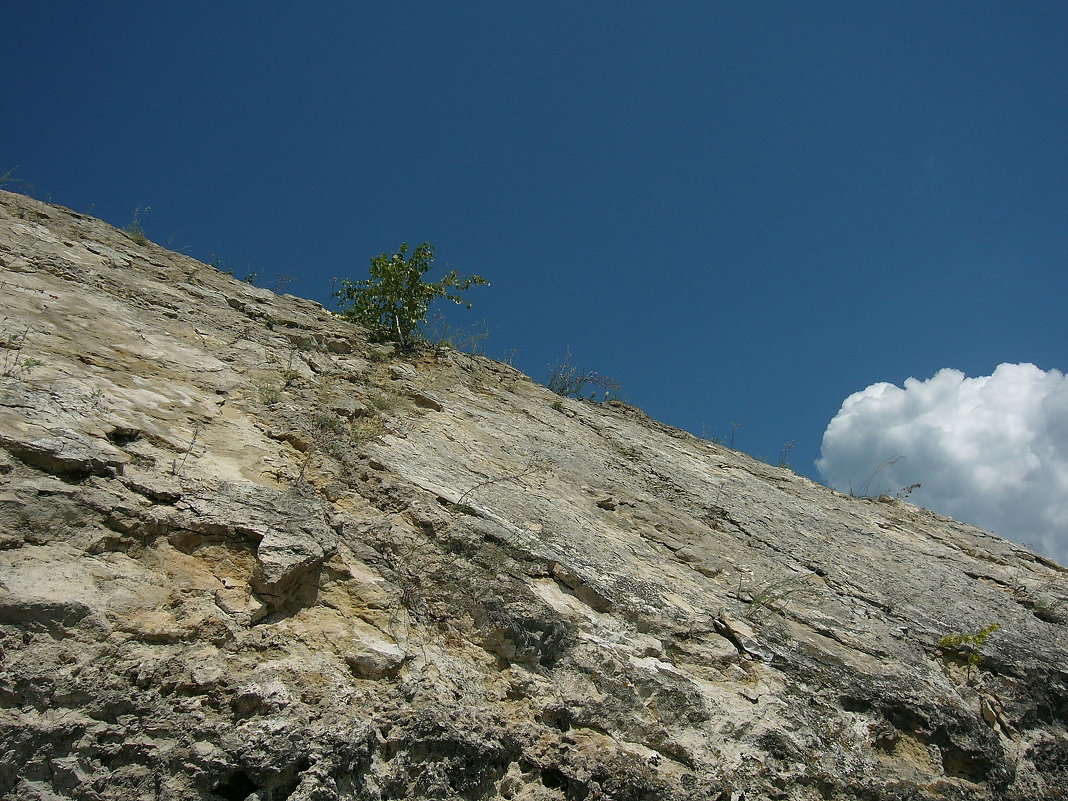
(244, 554)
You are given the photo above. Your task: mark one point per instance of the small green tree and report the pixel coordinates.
(395, 299)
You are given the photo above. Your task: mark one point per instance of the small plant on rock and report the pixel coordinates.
(136, 229)
(394, 301)
(571, 381)
(328, 423)
(969, 646)
(384, 402)
(865, 489)
(13, 364)
(772, 595)
(536, 464)
(269, 393)
(441, 333)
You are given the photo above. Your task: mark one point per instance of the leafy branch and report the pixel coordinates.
(394, 301)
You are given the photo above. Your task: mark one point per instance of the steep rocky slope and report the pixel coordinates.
(245, 554)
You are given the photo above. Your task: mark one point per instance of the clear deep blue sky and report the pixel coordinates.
(743, 212)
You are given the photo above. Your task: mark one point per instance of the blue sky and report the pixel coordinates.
(744, 212)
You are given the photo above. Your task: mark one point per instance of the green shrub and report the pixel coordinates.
(969, 646)
(393, 302)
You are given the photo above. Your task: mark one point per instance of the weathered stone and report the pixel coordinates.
(162, 488)
(348, 408)
(427, 401)
(375, 660)
(469, 596)
(65, 452)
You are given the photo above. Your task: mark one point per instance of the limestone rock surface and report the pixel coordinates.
(246, 554)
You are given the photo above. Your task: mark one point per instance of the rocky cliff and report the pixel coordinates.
(244, 554)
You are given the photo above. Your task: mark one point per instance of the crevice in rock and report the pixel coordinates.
(235, 787)
(123, 436)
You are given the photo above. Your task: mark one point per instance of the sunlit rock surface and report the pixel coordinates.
(244, 554)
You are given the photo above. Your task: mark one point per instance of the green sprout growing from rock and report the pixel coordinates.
(969, 646)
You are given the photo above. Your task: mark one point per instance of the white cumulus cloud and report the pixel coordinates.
(991, 450)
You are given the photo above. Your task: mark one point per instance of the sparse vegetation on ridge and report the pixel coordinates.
(9, 177)
(864, 490)
(443, 334)
(136, 229)
(571, 381)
